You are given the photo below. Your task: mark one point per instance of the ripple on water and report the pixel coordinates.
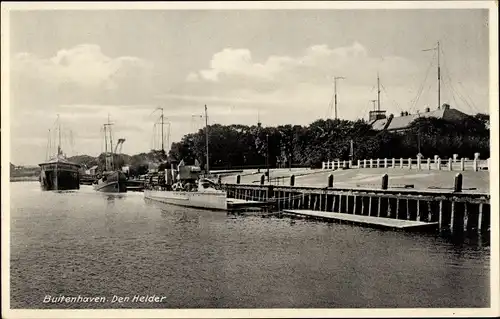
(92, 244)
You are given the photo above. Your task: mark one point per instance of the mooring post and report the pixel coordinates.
(458, 183)
(462, 164)
(262, 179)
(238, 179)
(330, 180)
(385, 181)
(292, 180)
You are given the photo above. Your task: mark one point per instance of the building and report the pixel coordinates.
(403, 122)
(91, 171)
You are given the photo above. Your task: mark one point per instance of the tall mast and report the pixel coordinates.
(105, 148)
(47, 155)
(59, 131)
(335, 91)
(162, 146)
(374, 107)
(438, 71)
(378, 92)
(206, 136)
(439, 77)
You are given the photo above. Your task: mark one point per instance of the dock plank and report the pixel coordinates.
(365, 220)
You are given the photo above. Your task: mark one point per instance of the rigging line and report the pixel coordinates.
(392, 100)
(421, 90)
(470, 103)
(470, 98)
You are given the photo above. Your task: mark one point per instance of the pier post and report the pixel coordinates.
(462, 164)
(393, 162)
(292, 180)
(458, 183)
(238, 179)
(438, 164)
(476, 160)
(385, 162)
(429, 163)
(450, 164)
(401, 162)
(409, 163)
(262, 179)
(385, 181)
(371, 163)
(330, 180)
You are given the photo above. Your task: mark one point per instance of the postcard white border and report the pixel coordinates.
(494, 310)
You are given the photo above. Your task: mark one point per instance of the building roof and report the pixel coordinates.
(403, 122)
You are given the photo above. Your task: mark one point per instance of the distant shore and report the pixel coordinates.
(24, 178)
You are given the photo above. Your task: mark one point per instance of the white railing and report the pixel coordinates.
(451, 164)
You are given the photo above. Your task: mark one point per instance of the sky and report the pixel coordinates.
(245, 65)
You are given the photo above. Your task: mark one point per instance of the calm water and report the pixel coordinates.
(96, 245)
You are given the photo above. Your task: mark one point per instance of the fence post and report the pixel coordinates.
(292, 180)
(393, 162)
(419, 163)
(343, 164)
(385, 162)
(349, 163)
(330, 180)
(378, 162)
(338, 164)
(458, 183)
(385, 181)
(429, 163)
(371, 162)
(238, 179)
(450, 164)
(322, 165)
(438, 164)
(409, 163)
(462, 164)
(359, 163)
(262, 179)
(401, 162)
(364, 163)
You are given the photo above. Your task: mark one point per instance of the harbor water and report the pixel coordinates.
(89, 244)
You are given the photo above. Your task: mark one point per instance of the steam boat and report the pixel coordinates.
(58, 173)
(111, 180)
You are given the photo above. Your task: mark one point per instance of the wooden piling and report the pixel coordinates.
(440, 215)
(397, 208)
(369, 206)
(379, 206)
(452, 216)
(480, 218)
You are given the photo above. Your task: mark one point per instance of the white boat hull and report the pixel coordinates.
(204, 200)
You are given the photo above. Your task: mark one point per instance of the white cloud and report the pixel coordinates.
(85, 65)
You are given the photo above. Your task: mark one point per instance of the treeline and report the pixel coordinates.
(239, 146)
(236, 146)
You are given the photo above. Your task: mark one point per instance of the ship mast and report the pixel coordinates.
(206, 137)
(438, 71)
(109, 157)
(335, 91)
(378, 92)
(59, 131)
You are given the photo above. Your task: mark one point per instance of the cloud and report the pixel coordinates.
(81, 74)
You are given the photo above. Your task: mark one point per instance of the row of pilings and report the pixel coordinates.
(453, 211)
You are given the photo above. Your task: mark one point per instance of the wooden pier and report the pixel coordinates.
(452, 210)
(376, 222)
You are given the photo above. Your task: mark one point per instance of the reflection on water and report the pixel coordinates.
(94, 244)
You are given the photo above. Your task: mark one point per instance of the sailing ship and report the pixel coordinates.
(184, 186)
(112, 180)
(58, 173)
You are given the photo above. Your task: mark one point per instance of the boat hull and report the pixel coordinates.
(114, 182)
(203, 200)
(59, 179)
